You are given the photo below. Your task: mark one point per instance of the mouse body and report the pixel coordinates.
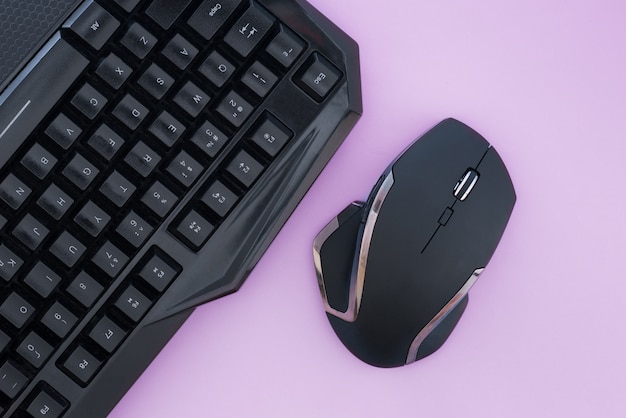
(395, 272)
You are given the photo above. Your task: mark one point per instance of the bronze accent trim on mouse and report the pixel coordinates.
(357, 278)
(425, 332)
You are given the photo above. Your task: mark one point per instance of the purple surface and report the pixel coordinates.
(544, 334)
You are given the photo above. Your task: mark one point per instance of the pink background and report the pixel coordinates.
(544, 334)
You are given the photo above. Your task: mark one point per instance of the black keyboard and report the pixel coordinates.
(149, 153)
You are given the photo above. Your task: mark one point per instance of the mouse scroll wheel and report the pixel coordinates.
(466, 184)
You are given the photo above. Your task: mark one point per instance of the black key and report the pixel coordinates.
(165, 12)
(286, 47)
(167, 129)
(107, 334)
(14, 191)
(106, 142)
(24, 107)
(134, 229)
(80, 172)
(11, 380)
(114, 71)
(92, 219)
(30, 232)
(5, 340)
(158, 273)
(39, 161)
(117, 189)
(249, 30)
(209, 139)
(89, 101)
(55, 202)
(318, 77)
(195, 229)
(142, 159)
(94, 24)
(185, 169)
(3, 221)
(159, 199)
(180, 51)
(217, 69)
(34, 350)
(68, 249)
(127, 5)
(81, 364)
(85, 289)
(219, 198)
(110, 259)
(59, 320)
(210, 17)
(130, 112)
(42, 279)
(16, 310)
(259, 79)
(192, 99)
(245, 168)
(139, 41)
(133, 303)
(156, 81)
(63, 131)
(46, 405)
(9, 263)
(271, 136)
(235, 109)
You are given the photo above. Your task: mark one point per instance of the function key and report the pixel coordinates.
(211, 16)
(165, 12)
(159, 199)
(318, 77)
(217, 69)
(11, 380)
(63, 131)
(259, 79)
(139, 41)
(158, 272)
(156, 81)
(219, 198)
(46, 405)
(106, 142)
(185, 169)
(30, 232)
(209, 139)
(14, 191)
(89, 101)
(194, 229)
(271, 136)
(245, 168)
(130, 112)
(192, 99)
(16, 310)
(34, 350)
(249, 30)
(85, 289)
(80, 172)
(107, 334)
(81, 364)
(59, 320)
(93, 24)
(114, 71)
(286, 47)
(55, 202)
(9, 263)
(39, 161)
(235, 109)
(180, 51)
(133, 303)
(42, 279)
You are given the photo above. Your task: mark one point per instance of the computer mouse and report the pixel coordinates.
(395, 272)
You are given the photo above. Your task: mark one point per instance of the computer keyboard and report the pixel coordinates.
(149, 153)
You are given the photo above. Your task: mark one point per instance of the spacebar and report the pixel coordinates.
(27, 100)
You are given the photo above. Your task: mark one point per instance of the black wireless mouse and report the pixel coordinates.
(395, 272)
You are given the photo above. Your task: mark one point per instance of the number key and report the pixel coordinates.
(59, 320)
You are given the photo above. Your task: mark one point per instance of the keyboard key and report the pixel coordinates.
(30, 232)
(185, 169)
(156, 81)
(68, 249)
(117, 189)
(128, 5)
(195, 229)
(92, 219)
(55, 202)
(133, 303)
(34, 350)
(39, 161)
(9, 263)
(192, 99)
(209, 18)
(130, 112)
(14, 191)
(139, 41)
(209, 139)
(235, 109)
(249, 30)
(59, 320)
(271, 136)
(259, 79)
(42, 279)
(159, 199)
(286, 47)
(165, 12)
(134, 229)
(142, 159)
(318, 77)
(16, 310)
(217, 69)
(106, 142)
(114, 71)
(167, 129)
(80, 172)
(82, 365)
(93, 24)
(11, 380)
(85, 289)
(46, 405)
(63, 131)
(245, 168)
(107, 334)
(180, 51)
(219, 198)
(110, 259)
(158, 273)
(89, 101)
(5, 340)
